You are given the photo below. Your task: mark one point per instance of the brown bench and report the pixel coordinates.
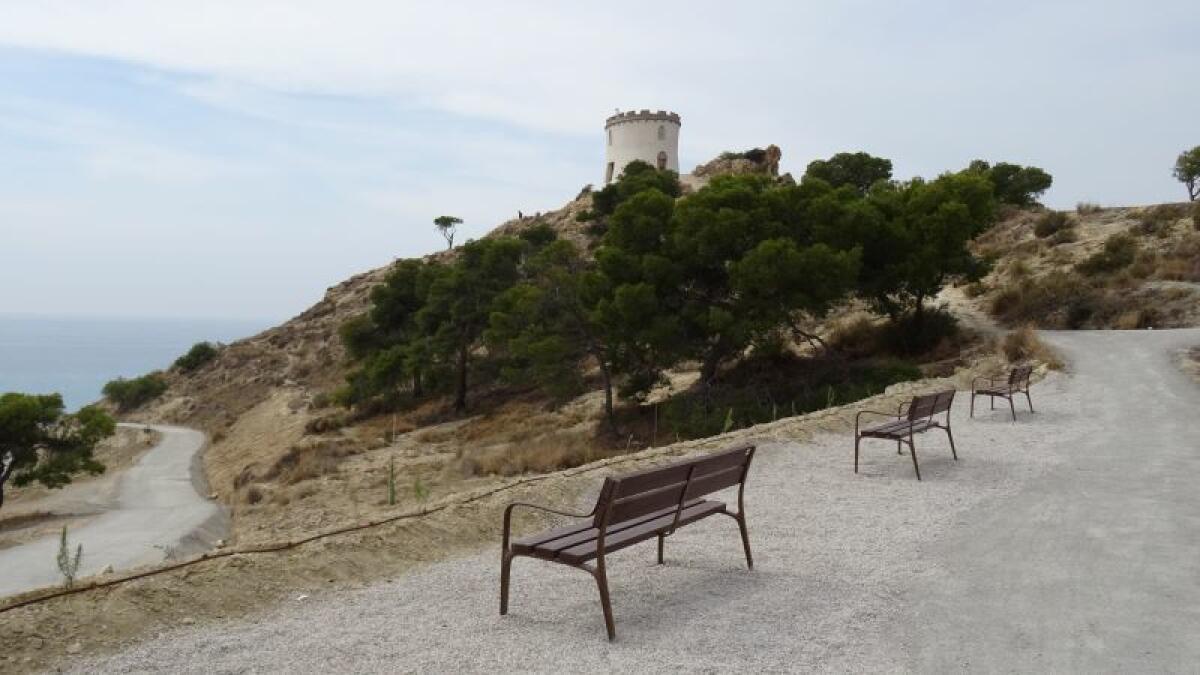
(914, 417)
(1018, 383)
(630, 509)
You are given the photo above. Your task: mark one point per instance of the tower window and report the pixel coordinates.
(662, 132)
(662, 160)
(610, 136)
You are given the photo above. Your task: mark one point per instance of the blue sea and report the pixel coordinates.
(76, 356)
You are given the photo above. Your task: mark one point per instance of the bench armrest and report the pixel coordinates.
(869, 412)
(537, 507)
(989, 380)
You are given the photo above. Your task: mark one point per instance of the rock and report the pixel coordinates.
(107, 570)
(187, 621)
(37, 643)
(74, 648)
(220, 543)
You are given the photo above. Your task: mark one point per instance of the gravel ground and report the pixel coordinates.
(835, 554)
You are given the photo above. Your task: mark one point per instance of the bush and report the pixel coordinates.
(132, 393)
(200, 354)
(1024, 344)
(762, 390)
(1158, 220)
(1051, 222)
(1064, 236)
(1119, 251)
(1085, 208)
(1056, 300)
(1196, 216)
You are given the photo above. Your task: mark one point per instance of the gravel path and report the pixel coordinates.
(847, 567)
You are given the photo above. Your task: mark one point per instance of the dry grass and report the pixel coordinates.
(550, 452)
(1023, 345)
(1087, 208)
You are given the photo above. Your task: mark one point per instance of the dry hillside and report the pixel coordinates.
(1123, 268)
(286, 462)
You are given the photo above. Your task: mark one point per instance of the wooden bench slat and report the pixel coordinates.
(550, 546)
(634, 506)
(585, 551)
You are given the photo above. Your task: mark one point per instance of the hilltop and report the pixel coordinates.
(285, 460)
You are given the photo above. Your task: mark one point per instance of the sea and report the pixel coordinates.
(76, 356)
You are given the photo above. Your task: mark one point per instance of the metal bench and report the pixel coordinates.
(1018, 383)
(914, 417)
(630, 509)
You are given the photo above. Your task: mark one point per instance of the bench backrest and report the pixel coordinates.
(636, 494)
(929, 405)
(1020, 375)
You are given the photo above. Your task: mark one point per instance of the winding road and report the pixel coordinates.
(158, 510)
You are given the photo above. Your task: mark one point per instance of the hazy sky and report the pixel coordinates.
(233, 159)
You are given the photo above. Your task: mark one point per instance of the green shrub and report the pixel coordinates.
(131, 393)
(1119, 251)
(762, 390)
(1085, 208)
(1196, 216)
(1051, 222)
(200, 354)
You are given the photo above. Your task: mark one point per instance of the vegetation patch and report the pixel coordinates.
(1051, 223)
(1023, 345)
(200, 354)
(132, 393)
(1119, 251)
(768, 388)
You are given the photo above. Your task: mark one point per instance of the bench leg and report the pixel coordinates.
(741, 519)
(953, 452)
(993, 402)
(1012, 407)
(898, 450)
(1029, 399)
(605, 604)
(856, 441)
(660, 548)
(972, 405)
(505, 568)
(912, 450)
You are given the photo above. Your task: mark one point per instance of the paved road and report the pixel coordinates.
(1095, 566)
(158, 509)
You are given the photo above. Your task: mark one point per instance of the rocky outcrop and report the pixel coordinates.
(758, 160)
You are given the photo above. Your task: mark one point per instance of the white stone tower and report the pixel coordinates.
(652, 137)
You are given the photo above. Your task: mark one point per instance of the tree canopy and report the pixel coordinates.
(859, 170)
(638, 176)
(447, 226)
(1187, 171)
(38, 442)
(709, 277)
(1014, 184)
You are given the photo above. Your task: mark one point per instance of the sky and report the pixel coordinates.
(232, 159)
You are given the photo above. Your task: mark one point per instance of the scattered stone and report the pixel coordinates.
(187, 621)
(37, 643)
(74, 648)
